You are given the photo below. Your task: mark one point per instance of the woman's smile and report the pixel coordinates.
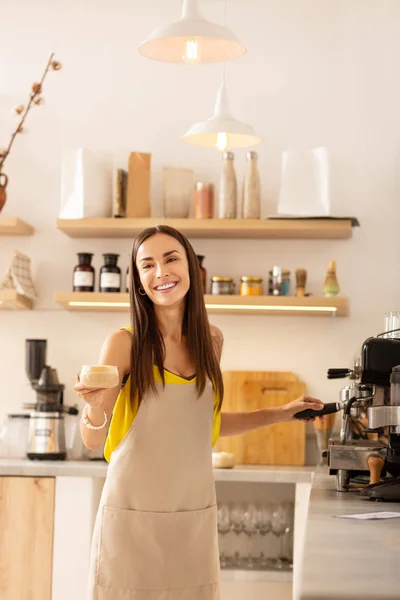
(165, 288)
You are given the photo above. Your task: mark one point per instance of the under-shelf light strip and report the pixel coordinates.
(222, 306)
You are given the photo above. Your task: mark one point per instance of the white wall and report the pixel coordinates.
(317, 72)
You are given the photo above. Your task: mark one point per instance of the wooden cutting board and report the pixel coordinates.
(279, 444)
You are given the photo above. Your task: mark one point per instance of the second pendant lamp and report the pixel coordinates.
(221, 131)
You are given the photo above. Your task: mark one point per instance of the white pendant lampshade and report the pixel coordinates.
(221, 131)
(192, 40)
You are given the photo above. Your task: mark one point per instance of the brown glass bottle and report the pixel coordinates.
(203, 272)
(110, 274)
(83, 278)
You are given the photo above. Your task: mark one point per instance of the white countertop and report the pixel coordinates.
(24, 467)
(346, 559)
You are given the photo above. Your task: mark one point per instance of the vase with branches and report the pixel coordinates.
(35, 99)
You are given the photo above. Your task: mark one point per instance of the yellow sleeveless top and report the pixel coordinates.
(125, 410)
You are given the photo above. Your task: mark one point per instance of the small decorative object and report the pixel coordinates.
(252, 189)
(221, 286)
(301, 280)
(110, 274)
(139, 180)
(120, 184)
(227, 188)
(86, 184)
(18, 276)
(276, 281)
(251, 286)
(177, 192)
(83, 280)
(203, 272)
(331, 285)
(203, 200)
(304, 183)
(285, 284)
(35, 99)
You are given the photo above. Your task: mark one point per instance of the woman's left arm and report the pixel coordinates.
(240, 422)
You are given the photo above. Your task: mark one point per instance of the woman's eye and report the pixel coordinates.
(146, 266)
(173, 258)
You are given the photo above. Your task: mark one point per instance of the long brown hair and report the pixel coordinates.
(147, 341)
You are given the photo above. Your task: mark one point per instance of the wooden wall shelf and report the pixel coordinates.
(11, 300)
(14, 226)
(211, 228)
(244, 305)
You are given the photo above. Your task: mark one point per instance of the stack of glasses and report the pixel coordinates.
(257, 521)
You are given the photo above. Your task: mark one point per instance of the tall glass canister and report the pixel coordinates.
(227, 207)
(252, 188)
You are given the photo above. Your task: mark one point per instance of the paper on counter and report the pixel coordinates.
(372, 515)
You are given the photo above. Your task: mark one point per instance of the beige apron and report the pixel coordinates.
(156, 536)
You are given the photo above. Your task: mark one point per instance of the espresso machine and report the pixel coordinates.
(369, 442)
(46, 434)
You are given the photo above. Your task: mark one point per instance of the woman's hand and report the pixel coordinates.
(302, 403)
(93, 396)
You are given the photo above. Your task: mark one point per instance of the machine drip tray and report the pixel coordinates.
(48, 456)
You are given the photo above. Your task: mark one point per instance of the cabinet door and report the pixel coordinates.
(26, 537)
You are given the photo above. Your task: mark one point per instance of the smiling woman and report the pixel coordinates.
(156, 529)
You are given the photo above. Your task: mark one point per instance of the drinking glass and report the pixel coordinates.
(237, 526)
(224, 527)
(264, 525)
(250, 529)
(281, 523)
(392, 323)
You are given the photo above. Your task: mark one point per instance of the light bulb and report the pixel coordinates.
(191, 56)
(222, 141)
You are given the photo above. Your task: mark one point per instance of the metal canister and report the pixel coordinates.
(221, 286)
(251, 286)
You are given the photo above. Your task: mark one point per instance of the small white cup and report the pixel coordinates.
(99, 376)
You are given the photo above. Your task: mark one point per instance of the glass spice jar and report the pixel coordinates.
(221, 286)
(284, 283)
(83, 278)
(251, 286)
(203, 200)
(110, 274)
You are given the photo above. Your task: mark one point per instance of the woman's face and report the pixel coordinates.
(163, 269)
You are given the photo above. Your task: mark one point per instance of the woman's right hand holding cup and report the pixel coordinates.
(93, 396)
(93, 382)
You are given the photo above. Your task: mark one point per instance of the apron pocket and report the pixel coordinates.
(157, 550)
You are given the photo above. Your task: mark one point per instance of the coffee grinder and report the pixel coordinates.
(46, 435)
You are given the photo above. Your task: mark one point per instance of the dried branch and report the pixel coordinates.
(35, 95)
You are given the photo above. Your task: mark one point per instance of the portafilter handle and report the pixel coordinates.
(339, 373)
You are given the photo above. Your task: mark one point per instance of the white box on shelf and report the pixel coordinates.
(304, 183)
(86, 184)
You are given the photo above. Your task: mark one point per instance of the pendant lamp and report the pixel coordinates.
(222, 131)
(192, 40)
